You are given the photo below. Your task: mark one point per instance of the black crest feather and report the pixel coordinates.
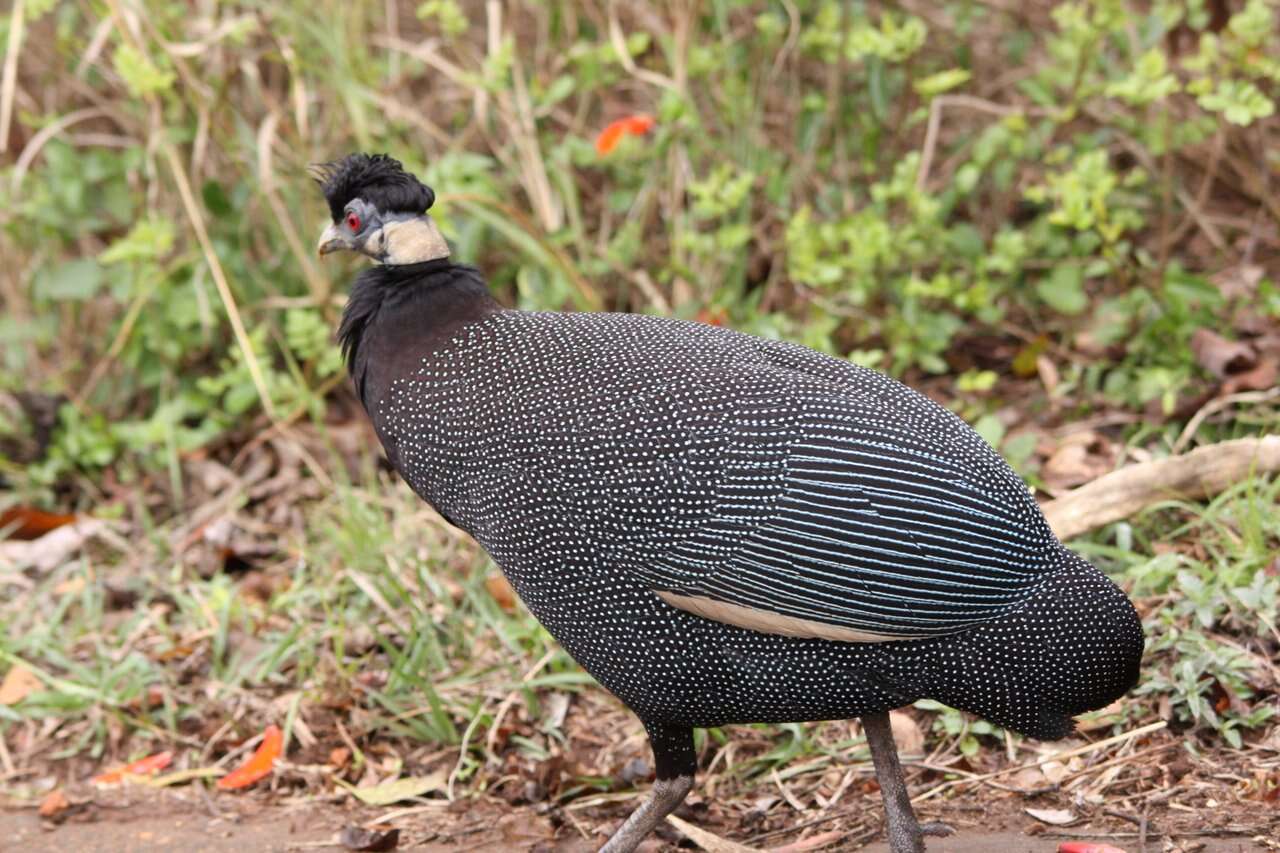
(377, 178)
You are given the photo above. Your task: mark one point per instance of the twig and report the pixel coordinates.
(619, 43)
(1059, 756)
(9, 82)
(37, 142)
(6, 761)
(492, 740)
(131, 315)
(936, 107)
(1217, 832)
(709, 841)
(373, 595)
(1200, 473)
(827, 818)
(1216, 405)
(1117, 760)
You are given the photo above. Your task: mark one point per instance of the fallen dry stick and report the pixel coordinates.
(1198, 474)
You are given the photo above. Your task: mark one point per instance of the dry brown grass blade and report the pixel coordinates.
(219, 277)
(709, 841)
(9, 80)
(196, 220)
(1057, 756)
(1198, 474)
(46, 133)
(317, 283)
(567, 266)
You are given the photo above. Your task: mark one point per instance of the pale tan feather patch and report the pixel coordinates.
(770, 623)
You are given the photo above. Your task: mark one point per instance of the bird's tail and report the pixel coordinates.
(1073, 647)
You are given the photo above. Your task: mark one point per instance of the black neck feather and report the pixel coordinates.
(408, 308)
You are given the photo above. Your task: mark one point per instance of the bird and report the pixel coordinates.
(719, 528)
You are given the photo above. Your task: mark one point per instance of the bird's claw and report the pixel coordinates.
(937, 829)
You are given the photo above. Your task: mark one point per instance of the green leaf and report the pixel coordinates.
(1239, 101)
(1063, 289)
(990, 428)
(943, 81)
(78, 279)
(148, 240)
(141, 76)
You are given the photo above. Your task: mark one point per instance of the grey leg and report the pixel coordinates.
(900, 821)
(666, 796)
(675, 762)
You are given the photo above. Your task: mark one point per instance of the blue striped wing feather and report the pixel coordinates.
(877, 515)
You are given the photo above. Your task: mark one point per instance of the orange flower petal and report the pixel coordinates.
(636, 125)
(259, 765)
(142, 767)
(608, 138)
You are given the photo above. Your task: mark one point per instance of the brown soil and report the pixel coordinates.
(142, 820)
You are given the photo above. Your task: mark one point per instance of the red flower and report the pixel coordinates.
(636, 125)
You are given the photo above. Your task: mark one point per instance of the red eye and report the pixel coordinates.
(353, 222)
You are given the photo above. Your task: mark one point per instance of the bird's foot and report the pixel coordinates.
(937, 829)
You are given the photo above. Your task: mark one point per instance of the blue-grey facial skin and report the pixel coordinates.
(338, 236)
(387, 238)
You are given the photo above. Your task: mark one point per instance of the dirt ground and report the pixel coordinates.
(146, 821)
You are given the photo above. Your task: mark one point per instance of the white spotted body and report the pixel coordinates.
(604, 459)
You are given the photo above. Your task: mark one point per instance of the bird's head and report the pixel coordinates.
(379, 210)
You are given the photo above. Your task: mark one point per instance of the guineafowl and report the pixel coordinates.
(719, 528)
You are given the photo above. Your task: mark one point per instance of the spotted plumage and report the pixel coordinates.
(715, 464)
(725, 529)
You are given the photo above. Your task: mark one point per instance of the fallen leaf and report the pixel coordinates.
(359, 838)
(71, 586)
(53, 548)
(339, 756)
(1079, 459)
(24, 522)
(54, 803)
(501, 592)
(19, 683)
(1239, 282)
(1028, 779)
(634, 125)
(396, 790)
(259, 764)
(148, 766)
(1086, 847)
(1261, 377)
(1056, 817)
(1048, 373)
(906, 733)
(521, 830)
(1220, 356)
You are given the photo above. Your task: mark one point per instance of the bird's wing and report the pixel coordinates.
(855, 511)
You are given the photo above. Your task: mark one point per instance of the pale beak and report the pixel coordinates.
(333, 240)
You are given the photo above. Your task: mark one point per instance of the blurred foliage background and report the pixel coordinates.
(967, 188)
(1053, 216)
